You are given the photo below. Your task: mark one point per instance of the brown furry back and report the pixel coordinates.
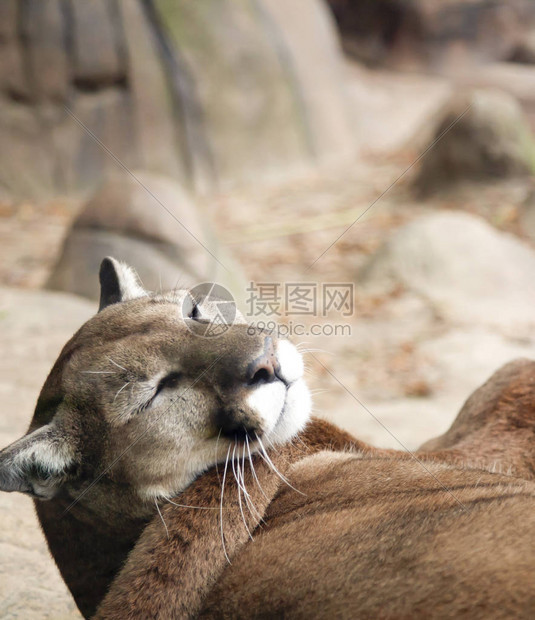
(361, 533)
(381, 538)
(496, 427)
(367, 533)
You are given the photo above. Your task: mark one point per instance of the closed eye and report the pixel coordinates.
(169, 382)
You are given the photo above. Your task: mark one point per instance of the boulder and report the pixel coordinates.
(375, 31)
(309, 37)
(527, 216)
(395, 32)
(99, 56)
(150, 222)
(465, 270)
(517, 79)
(482, 135)
(45, 62)
(209, 93)
(524, 52)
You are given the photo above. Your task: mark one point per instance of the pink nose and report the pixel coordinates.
(264, 368)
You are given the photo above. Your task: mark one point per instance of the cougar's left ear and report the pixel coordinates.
(118, 282)
(38, 463)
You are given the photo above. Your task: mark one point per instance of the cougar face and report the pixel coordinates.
(139, 398)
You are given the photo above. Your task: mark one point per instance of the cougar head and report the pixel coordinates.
(140, 398)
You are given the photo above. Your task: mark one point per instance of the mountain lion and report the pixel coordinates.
(179, 476)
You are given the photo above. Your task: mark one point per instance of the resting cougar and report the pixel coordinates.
(184, 477)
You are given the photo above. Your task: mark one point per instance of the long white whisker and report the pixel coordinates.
(216, 459)
(298, 437)
(99, 372)
(271, 445)
(221, 506)
(266, 458)
(243, 470)
(119, 391)
(118, 365)
(236, 477)
(315, 351)
(161, 517)
(187, 506)
(247, 495)
(248, 500)
(253, 469)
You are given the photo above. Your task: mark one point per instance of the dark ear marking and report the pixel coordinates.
(110, 290)
(118, 282)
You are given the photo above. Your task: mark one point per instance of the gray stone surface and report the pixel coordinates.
(462, 294)
(210, 93)
(151, 223)
(527, 216)
(314, 55)
(246, 84)
(455, 363)
(99, 54)
(42, 32)
(467, 271)
(524, 51)
(157, 139)
(12, 76)
(432, 32)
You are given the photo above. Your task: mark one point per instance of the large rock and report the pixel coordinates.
(432, 31)
(150, 222)
(98, 55)
(458, 296)
(517, 79)
(483, 135)
(527, 216)
(208, 93)
(524, 52)
(468, 272)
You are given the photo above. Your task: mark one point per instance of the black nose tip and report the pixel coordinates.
(234, 425)
(237, 432)
(264, 368)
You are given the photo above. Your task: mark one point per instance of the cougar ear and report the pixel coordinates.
(118, 282)
(37, 464)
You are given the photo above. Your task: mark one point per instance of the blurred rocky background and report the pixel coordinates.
(384, 143)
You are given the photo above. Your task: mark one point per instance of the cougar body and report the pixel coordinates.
(178, 475)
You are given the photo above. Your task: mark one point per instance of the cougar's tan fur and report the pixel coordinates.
(148, 519)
